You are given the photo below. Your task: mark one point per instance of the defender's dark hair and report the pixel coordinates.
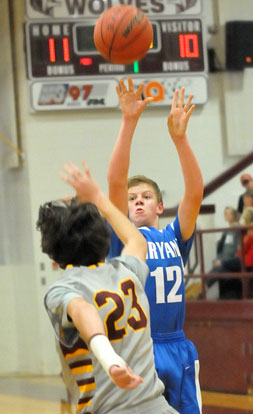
(73, 233)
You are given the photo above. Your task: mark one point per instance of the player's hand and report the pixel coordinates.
(124, 377)
(131, 103)
(179, 115)
(87, 190)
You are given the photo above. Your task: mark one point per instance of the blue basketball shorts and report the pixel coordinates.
(177, 365)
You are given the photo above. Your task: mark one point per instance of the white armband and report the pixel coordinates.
(104, 352)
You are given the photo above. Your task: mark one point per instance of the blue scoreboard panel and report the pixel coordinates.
(65, 71)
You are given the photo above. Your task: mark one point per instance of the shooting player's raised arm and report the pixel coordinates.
(132, 105)
(191, 201)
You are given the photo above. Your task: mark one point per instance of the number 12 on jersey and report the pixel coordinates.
(173, 273)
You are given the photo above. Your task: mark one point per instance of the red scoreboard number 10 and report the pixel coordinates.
(189, 45)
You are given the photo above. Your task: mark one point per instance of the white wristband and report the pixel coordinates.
(104, 352)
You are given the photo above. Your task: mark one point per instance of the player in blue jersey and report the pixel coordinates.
(176, 358)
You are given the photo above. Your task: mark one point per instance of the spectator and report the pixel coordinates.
(248, 198)
(247, 220)
(248, 244)
(228, 244)
(232, 288)
(247, 183)
(226, 251)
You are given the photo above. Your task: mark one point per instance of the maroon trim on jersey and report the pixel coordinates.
(81, 363)
(77, 345)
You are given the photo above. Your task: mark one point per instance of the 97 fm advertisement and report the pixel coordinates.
(65, 95)
(60, 95)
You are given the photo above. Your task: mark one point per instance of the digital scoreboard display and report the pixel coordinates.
(66, 71)
(67, 49)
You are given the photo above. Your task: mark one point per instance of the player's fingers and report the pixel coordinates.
(133, 375)
(130, 84)
(188, 103)
(69, 165)
(150, 99)
(130, 370)
(86, 168)
(66, 178)
(181, 98)
(174, 99)
(73, 170)
(190, 111)
(140, 90)
(70, 168)
(118, 91)
(134, 382)
(131, 386)
(122, 85)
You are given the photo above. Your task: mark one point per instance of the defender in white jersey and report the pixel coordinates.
(99, 310)
(176, 358)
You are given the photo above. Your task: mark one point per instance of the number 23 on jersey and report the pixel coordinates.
(136, 321)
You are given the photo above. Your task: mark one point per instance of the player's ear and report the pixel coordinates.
(160, 208)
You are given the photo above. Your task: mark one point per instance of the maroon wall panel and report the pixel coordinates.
(223, 335)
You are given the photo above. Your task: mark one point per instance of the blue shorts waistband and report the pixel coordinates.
(168, 337)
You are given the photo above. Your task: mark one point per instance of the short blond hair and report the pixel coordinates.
(142, 179)
(247, 216)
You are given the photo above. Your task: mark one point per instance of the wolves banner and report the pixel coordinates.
(37, 9)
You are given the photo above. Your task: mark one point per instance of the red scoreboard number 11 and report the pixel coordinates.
(65, 48)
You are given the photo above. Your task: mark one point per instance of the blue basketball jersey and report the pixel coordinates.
(176, 358)
(166, 256)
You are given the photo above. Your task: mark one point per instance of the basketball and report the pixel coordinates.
(123, 34)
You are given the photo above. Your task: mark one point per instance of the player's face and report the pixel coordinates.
(143, 206)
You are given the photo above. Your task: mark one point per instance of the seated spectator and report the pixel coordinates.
(247, 220)
(228, 244)
(248, 198)
(232, 288)
(248, 245)
(227, 248)
(247, 183)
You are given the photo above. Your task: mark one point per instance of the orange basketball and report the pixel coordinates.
(123, 34)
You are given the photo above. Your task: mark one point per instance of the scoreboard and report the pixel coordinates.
(65, 71)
